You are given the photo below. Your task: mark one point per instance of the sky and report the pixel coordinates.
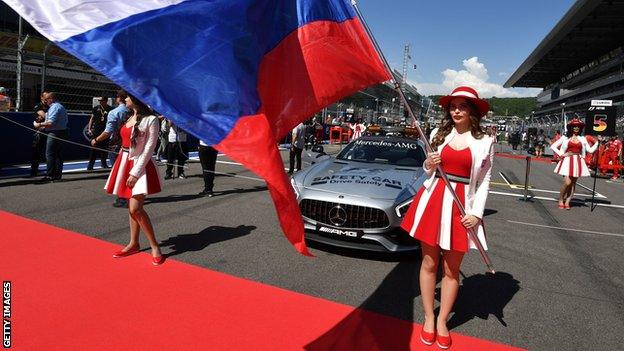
(479, 43)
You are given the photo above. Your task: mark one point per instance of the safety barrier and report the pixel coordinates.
(16, 138)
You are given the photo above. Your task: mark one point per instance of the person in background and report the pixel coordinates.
(135, 175)
(465, 153)
(572, 149)
(540, 141)
(525, 140)
(97, 124)
(296, 147)
(357, 128)
(177, 149)
(318, 130)
(5, 101)
(55, 125)
(612, 154)
(208, 160)
(163, 138)
(39, 138)
(515, 139)
(116, 117)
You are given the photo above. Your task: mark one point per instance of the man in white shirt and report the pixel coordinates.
(296, 147)
(177, 149)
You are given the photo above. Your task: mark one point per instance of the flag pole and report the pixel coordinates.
(423, 138)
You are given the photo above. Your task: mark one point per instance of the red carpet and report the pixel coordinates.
(69, 293)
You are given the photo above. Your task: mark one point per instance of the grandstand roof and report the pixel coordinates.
(590, 29)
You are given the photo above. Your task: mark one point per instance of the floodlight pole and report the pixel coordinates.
(423, 138)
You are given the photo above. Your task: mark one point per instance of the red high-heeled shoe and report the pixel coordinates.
(444, 342)
(561, 206)
(426, 337)
(121, 253)
(567, 207)
(157, 261)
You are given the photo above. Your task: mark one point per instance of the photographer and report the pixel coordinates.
(97, 124)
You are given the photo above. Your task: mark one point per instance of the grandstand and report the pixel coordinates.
(580, 60)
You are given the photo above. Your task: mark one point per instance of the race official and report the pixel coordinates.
(97, 124)
(55, 124)
(297, 143)
(208, 160)
(177, 150)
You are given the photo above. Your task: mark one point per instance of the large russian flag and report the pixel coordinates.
(238, 74)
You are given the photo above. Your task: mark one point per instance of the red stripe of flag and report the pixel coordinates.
(310, 69)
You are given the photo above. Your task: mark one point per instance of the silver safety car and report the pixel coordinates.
(358, 198)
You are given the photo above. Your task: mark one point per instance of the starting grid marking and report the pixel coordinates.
(568, 229)
(547, 198)
(521, 187)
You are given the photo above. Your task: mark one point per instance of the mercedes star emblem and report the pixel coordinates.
(338, 216)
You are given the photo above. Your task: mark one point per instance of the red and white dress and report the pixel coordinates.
(148, 183)
(433, 217)
(573, 165)
(358, 129)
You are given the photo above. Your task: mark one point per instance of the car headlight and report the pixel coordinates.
(295, 188)
(402, 208)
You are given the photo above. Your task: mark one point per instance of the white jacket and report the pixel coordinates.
(143, 151)
(561, 146)
(482, 159)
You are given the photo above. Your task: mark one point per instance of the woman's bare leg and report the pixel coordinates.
(135, 206)
(571, 190)
(450, 286)
(564, 190)
(134, 233)
(428, 272)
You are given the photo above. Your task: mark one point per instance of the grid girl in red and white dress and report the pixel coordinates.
(358, 128)
(464, 152)
(572, 150)
(135, 175)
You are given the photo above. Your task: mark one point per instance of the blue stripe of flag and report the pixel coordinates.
(197, 61)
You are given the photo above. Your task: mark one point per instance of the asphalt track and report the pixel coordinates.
(559, 283)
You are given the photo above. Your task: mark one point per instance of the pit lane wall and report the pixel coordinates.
(16, 140)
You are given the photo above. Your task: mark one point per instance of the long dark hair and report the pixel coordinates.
(142, 110)
(448, 124)
(570, 131)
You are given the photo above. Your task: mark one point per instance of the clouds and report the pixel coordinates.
(474, 74)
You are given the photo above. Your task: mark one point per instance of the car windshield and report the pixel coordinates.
(399, 152)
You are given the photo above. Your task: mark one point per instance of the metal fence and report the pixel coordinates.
(74, 82)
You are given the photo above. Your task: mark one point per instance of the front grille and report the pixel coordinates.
(358, 217)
